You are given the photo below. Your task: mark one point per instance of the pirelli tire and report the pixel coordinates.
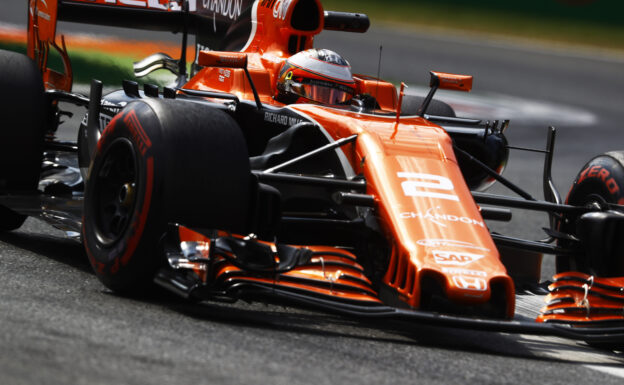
(411, 104)
(600, 181)
(161, 161)
(24, 115)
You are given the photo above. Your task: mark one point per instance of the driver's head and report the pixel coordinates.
(315, 76)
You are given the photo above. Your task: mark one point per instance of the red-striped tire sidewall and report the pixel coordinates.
(129, 263)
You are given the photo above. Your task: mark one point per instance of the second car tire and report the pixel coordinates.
(23, 119)
(600, 181)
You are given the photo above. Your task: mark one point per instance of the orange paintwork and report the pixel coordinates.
(615, 282)
(319, 276)
(575, 299)
(315, 279)
(41, 23)
(454, 82)
(41, 38)
(398, 111)
(272, 30)
(576, 319)
(334, 293)
(384, 92)
(222, 59)
(579, 298)
(563, 285)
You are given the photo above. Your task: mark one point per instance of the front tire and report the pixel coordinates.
(160, 161)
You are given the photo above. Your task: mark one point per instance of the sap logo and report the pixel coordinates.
(455, 258)
(470, 283)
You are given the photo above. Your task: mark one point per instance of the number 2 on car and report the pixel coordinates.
(427, 185)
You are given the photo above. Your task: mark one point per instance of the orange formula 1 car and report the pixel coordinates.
(271, 172)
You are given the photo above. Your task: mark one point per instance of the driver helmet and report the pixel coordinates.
(315, 76)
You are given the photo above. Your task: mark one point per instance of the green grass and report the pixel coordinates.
(598, 24)
(87, 65)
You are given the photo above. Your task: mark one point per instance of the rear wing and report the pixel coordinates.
(226, 25)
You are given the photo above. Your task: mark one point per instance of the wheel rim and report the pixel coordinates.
(115, 191)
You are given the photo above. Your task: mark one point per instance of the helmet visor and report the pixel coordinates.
(323, 92)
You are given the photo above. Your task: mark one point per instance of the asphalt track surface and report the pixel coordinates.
(58, 325)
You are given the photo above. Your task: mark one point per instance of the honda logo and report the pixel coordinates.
(470, 283)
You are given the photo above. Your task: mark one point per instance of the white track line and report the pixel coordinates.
(612, 370)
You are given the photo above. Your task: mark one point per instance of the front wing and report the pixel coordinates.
(338, 285)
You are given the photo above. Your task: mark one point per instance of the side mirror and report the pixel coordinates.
(222, 59)
(446, 81)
